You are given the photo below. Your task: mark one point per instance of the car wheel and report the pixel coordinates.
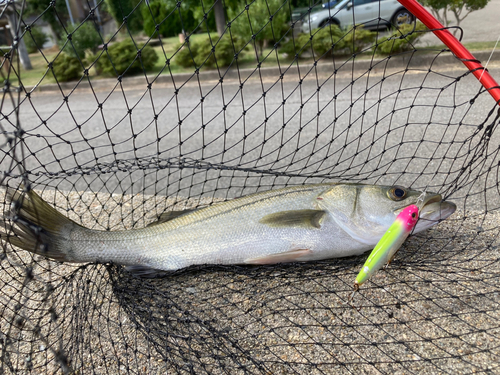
(329, 21)
(402, 17)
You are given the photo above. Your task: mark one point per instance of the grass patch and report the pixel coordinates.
(169, 46)
(480, 46)
(33, 76)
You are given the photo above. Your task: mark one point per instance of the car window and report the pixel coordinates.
(361, 2)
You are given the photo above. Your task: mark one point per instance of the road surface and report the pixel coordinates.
(411, 128)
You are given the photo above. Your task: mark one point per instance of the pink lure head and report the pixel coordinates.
(408, 217)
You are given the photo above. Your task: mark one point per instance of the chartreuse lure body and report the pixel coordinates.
(389, 244)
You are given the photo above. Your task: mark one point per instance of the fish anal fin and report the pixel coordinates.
(145, 271)
(287, 256)
(170, 215)
(295, 218)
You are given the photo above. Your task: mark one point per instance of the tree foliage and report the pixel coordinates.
(265, 21)
(170, 18)
(55, 13)
(35, 38)
(459, 8)
(81, 38)
(125, 10)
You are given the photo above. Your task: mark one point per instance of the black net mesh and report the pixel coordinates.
(184, 123)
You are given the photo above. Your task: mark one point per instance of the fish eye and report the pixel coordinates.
(397, 193)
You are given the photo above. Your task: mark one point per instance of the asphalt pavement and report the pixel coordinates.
(388, 125)
(478, 26)
(403, 120)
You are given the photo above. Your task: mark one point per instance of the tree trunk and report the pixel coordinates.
(220, 19)
(18, 44)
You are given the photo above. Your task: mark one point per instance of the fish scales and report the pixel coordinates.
(211, 235)
(299, 223)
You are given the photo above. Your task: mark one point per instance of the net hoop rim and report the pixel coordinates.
(462, 53)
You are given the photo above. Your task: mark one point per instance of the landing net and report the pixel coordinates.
(261, 103)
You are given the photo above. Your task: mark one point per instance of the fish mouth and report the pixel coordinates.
(434, 211)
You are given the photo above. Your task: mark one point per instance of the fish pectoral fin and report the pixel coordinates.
(287, 256)
(145, 271)
(295, 218)
(167, 216)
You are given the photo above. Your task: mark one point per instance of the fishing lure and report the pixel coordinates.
(389, 244)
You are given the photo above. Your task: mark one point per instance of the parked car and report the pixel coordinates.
(300, 14)
(365, 12)
(330, 4)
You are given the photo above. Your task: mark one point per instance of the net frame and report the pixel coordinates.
(455, 46)
(432, 288)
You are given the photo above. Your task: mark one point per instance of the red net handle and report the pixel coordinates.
(455, 46)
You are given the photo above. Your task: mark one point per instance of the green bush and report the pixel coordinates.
(35, 39)
(330, 39)
(66, 67)
(357, 39)
(81, 38)
(402, 40)
(156, 13)
(323, 42)
(123, 58)
(327, 40)
(201, 51)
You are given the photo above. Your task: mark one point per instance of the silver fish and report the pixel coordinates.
(300, 223)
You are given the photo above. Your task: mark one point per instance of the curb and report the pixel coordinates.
(411, 60)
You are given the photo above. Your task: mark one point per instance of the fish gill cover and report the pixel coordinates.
(121, 119)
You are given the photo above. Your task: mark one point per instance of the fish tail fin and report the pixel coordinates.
(35, 226)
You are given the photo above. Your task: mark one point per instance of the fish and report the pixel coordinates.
(292, 224)
(389, 244)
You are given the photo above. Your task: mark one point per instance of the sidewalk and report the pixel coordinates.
(414, 61)
(480, 26)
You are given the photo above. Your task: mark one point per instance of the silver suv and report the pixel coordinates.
(373, 14)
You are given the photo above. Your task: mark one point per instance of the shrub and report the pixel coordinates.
(124, 57)
(35, 39)
(83, 37)
(357, 39)
(201, 51)
(66, 67)
(324, 41)
(330, 39)
(402, 40)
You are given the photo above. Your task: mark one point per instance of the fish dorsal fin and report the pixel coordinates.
(170, 215)
(307, 219)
